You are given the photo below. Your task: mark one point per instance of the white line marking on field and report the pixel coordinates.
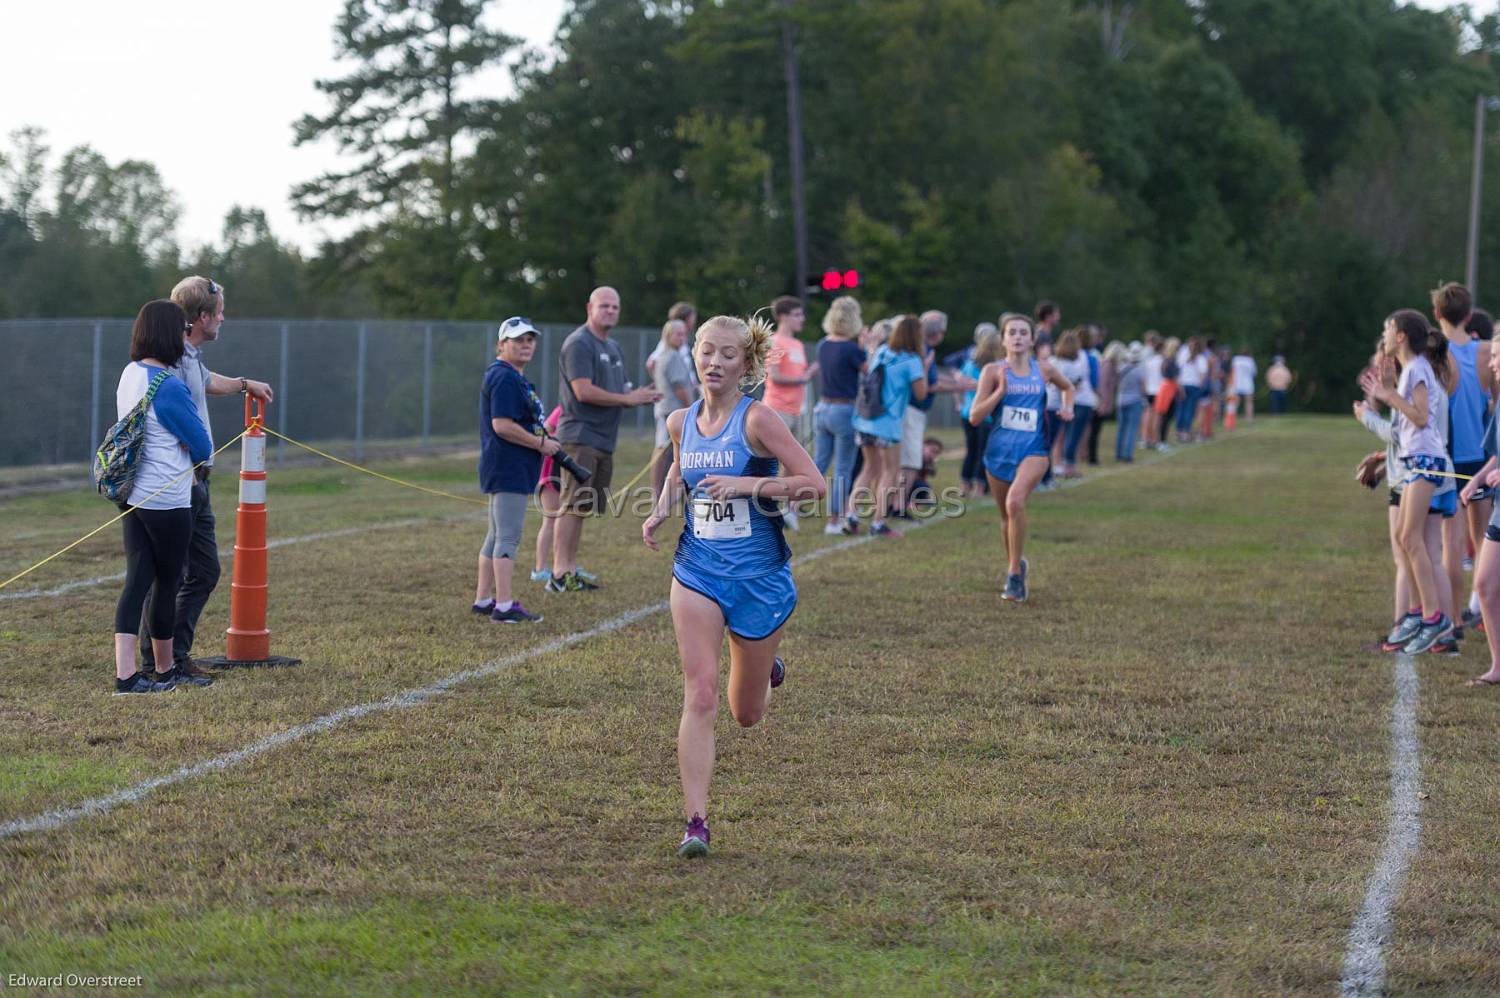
(227, 554)
(52, 820)
(1364, 961)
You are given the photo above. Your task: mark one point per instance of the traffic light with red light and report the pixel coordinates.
(833, 280)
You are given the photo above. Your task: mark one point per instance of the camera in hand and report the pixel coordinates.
(572, 467)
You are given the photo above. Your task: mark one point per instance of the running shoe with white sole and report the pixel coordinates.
(138, 683)
(1428, 635)
(1015, 589)
(778, 672)
(695, 842)
(834, 530)
(516, 614)
(543, 576)
(1406, 628)
(570, 583)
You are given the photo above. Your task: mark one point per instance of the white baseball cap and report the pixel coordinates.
(516, 326)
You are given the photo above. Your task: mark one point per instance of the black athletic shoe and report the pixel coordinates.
(571, 583)
(484, 608)
(517, 614)
(138, 683)
(177, 676)
(778, 672)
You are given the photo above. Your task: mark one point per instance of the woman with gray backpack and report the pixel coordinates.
(895, 375)
(159, 451)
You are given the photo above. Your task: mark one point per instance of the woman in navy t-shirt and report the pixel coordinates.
(511, 446)
(840, 360)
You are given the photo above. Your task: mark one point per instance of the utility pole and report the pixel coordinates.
(794, 128)
(1471, 268)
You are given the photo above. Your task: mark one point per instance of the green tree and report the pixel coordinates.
(401, 116)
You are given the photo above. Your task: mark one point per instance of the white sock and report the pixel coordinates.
(1474, 602)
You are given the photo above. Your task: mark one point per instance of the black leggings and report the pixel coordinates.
(156, 543)
(975, 440)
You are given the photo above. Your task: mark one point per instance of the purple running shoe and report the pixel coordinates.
(695, 842)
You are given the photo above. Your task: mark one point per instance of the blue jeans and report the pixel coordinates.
(1130, 424)
(833, 443)
(1083, 415)
(1278, 402)
(1187, 408)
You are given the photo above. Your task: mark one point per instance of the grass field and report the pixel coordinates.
(1168, 772)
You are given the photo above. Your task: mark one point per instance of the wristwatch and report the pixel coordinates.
(244, 386)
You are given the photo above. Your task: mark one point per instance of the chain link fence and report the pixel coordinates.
(339, 384)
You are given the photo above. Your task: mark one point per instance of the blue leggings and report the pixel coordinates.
(1083, 415)
(1187, 409)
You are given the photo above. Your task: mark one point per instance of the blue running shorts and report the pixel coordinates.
(1005, 470)
(753, 608)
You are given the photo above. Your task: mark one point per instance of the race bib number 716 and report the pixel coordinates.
(1021, 420)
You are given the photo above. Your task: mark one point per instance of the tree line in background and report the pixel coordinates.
(1275, 173)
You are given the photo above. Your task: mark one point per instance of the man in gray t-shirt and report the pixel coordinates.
(593, 393)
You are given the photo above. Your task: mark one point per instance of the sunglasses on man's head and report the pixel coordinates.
(213, 288)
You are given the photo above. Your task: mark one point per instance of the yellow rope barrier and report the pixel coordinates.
(389, 478)
(117, 519)
(295, 443)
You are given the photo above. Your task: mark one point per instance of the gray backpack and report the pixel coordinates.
(869, 403)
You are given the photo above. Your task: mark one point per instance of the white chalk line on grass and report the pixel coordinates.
(1364, 961)
(59, 817)
(55, 819)
(327, 535)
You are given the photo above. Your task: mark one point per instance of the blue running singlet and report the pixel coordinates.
(738, 538)
(1017, 432)
(1466, 408)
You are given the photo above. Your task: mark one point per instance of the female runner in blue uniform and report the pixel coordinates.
(731, 570)
(1015, 458)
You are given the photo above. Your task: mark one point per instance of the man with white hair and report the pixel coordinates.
(593, 394)
(202, 301)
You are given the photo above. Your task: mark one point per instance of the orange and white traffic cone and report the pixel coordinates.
(248, 641)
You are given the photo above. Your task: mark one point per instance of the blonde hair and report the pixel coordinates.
(843, 320)
(754, 335)
(666, 333)
(991, 348)
(195, 296)
(1067, 345)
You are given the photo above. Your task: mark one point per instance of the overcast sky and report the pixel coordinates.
(132, 78)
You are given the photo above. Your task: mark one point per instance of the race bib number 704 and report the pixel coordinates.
(1022, 420)
(720, 519)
